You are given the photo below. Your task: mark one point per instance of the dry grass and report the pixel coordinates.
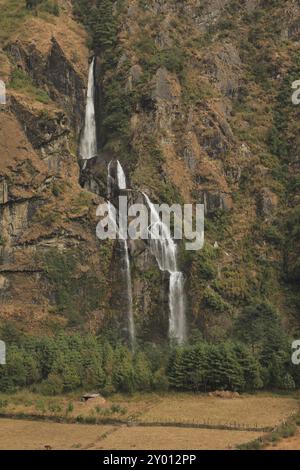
(13, 14)
(31, 435)
(143, 438)
(250, 411)
(27, 403)
(260, 410)
(290, 443)
(19, 23)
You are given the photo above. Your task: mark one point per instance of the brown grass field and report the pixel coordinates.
(169, 438)
(250, 411)
(247, 411)
(33, 435)
(26, 435)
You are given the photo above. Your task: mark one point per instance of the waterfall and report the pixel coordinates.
(121, 176)
(121, 183)
(88, 142)
(87, 150)
(177, 321)
(109, 180)
(129, 294)
(164, 249)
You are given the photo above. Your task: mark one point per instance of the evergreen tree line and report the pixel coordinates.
(229, 366)
(53, 365)
(258, 357)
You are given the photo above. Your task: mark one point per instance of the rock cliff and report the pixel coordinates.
(194, 99)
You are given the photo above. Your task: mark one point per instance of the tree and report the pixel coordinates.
(13, 375)
(54, 385)
(123, 375)
(194, 366)
(259, 325)
(142, 372)
(103, 25)
(224, 371)
(276, 371)
(67, 366)
(250, 366)
(160, 380)
(175, 369)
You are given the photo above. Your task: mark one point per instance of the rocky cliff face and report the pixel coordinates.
(193, 99)
(50, 258)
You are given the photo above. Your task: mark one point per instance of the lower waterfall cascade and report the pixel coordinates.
(121, 183)
(164, 249)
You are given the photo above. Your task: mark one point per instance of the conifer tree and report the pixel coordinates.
(250, 366)
(175, 369)
(123, 375)
(142, 372)
(108, 366)
(103, 25)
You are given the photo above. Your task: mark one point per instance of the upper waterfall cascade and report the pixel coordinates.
(88, 142)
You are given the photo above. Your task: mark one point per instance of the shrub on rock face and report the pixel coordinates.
(213, 300)
(50, 6)
(32, 3)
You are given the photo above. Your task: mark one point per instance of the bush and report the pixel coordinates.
(273, 235)
(52, 386)
(50, 6)
(214, 301)
(160, 380)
